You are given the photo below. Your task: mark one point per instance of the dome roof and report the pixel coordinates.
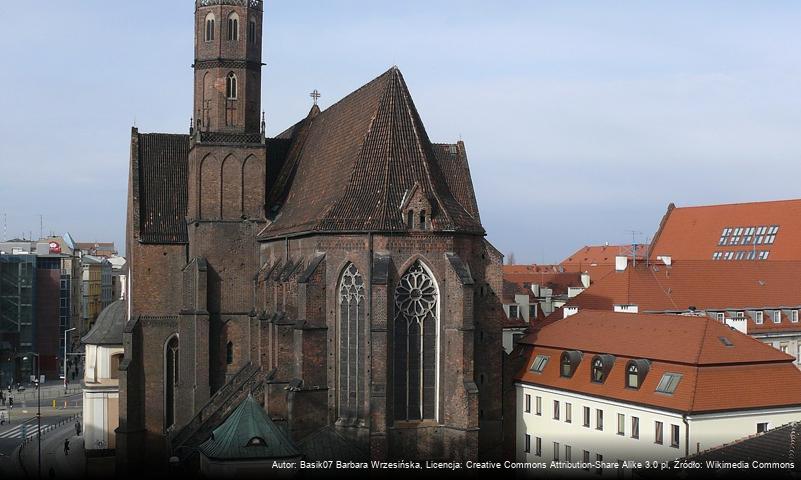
(108, 326)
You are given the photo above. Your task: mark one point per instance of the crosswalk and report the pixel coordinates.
(23, 430)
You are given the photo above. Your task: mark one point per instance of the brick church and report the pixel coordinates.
(338, 273)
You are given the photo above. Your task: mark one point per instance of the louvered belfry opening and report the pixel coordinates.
(351, 344)
(415, 342)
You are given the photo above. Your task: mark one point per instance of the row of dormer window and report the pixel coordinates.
(636, 370)
(759, 316)
(233, 28)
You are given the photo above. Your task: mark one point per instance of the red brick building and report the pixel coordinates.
(338, 272)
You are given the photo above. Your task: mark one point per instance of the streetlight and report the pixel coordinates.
(38, 408)
(65, 357)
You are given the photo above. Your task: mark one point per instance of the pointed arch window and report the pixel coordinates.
(209, 27)
(416, 340)
(171, 378)
(351, 343)
(230, 86)
(233, 27)
(229, 353)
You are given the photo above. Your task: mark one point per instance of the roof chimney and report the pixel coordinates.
(621, 263)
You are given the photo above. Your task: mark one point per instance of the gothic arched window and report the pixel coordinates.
(351, 356)
(230, 86)
(171, 377)
(229, 353)
(233, 27)
(415, 342)
(210, 27)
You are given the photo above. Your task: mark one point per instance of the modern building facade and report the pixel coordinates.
(337, 272)
(617, 387)
(96, 289)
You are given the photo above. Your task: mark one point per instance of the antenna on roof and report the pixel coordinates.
(633, 249)
(5, 227)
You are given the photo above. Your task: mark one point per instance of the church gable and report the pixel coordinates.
(351, 165)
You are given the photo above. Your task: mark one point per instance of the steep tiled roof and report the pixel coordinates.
(715, 377)
(350, 167)
(693, 233)
(601, 254)
(162, 166)
(705, 285)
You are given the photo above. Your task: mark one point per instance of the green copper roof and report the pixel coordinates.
(248, 433)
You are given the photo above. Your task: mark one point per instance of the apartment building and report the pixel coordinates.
(614, 387)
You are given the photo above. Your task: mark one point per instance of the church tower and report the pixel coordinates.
(228, 65)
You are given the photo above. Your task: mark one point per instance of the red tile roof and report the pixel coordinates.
(705, 285)
(517, 279)
(602, 254)
(693, 233)
(747, 375)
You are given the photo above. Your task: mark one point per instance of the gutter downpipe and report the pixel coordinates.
(686, 435)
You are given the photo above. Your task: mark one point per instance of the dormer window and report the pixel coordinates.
(233, 27)
(777, 316)
(423, 220)
(230, 86)
(601, 365)
(569, 363)
(209, 27)
(256, 442)
(636, 370)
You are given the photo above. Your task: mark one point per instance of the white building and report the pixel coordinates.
(614, 387)
(104, 352)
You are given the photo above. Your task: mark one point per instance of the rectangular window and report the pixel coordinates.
(668, 383)
(538, 365)
(568, 413)
(721, 317)
(794, 316)
(635, 427)
(599, 419)
(556, 451)
(556, 409)
(658, 433)
(528, 403)
(621, 424)
(599, 469)
(762, 427)
(539, 406)
(586, 458)
(586, 416)
(538, 446)
(759, 317)
(674, 436)
(514, 311)
(528, 443)
(777, 316)
(568, 453)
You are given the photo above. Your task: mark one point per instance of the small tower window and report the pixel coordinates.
(229, 353)
(233, 27)
(230, 86)
(252, 32)
(423, 220)
(210, 27)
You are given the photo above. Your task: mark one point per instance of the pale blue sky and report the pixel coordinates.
(582, 120)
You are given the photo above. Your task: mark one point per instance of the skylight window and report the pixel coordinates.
(725, 341)
(668, 383)
(539, 363)
(752, 235)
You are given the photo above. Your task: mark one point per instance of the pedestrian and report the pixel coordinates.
(77, 428)
(66, 446)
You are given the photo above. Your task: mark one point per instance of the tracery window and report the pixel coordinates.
(233, 27)
(171, 377)
(230, 86)
(351, 336)
(210, 27)
(415, 341)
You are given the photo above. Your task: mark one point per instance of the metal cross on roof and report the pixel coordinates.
(315, 95)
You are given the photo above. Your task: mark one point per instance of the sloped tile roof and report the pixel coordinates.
(601, 254)
(715, 377)
(705, 285)
(693, 233)
(109, 325)
(162, 166)
(776, 445)
(350, 166)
